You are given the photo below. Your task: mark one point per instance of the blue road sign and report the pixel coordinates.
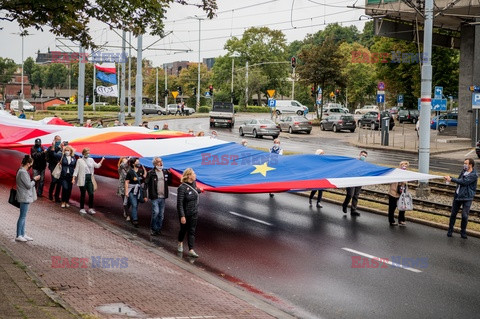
(400, 98)
(207, 94)
(272, 102)
(438, 92)
(476, 100)
(380, 98)
(439, 104)
(319, 91)
(381, 86)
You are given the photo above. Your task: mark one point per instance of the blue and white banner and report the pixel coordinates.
(106, 77)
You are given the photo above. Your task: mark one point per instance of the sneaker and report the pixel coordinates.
(63, 205)
(27, 238)
(135, 223)
(67, 205)
(271, 194)
(464, 236)
(193, 254)
(127, 219)
(91, 211)
(20, 238)
(310, 202)
(319, 205)
(354, 214)
(393, 224)
(125, 211)
(402, 224)
(180, 247)
(344, 209)
(83, 211)
(449, 234)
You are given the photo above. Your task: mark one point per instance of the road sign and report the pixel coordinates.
(380, 98)
(271, 93)
(381, 92)
(400, 98)
(174, 93)
(319, 90)
(332, 95)
(439, 104)
(438, 92)
(475, 100)
(381, 86)
(272, 102)
(319, 99)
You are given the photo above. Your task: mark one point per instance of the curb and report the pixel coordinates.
(409, 218)
(208, 277)
(41, 284)
(388, 148)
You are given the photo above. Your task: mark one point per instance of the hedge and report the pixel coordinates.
(107, 108)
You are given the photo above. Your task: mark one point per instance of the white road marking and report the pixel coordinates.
(469, 152)
(251, 218)
(382, 259)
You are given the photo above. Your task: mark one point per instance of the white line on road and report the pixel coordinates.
(469, 152)
(382, 259)
(251, 218)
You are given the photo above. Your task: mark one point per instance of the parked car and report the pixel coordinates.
(290, 106)
(477, 149)
(338, 122)
(259, 128)
(334, 108)
(366, 108)
(153, 109)
(393, 110)
(408, 116)
(373, 120)
(295, 124)
(172, 109)
(26, 106)
(444, 120)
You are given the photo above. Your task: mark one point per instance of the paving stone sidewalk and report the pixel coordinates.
(112, 271)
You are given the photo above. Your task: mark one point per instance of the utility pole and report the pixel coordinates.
(231, 86)
(293, 83)
(166, 85)
(129, 73)
(139, 83)
(156, 89)
(246, 84)
(81, 85)
(122, 86)
(20, 103)
(426, 100)
(198, 80)
(94, 85)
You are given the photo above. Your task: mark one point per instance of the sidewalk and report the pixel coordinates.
(122, 273)
(403, 138)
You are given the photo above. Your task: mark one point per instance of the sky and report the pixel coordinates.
(296, 18)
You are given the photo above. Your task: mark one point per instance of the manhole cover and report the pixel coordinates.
(119, 309)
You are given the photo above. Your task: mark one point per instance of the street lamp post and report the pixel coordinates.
(234, 55)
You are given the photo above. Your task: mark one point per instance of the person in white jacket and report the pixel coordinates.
(84, 172)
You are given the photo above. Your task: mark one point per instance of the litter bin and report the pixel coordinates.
(385, 130)
(187, 112)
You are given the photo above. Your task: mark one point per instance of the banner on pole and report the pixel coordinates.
(107, 90)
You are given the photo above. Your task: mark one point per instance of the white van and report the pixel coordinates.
(290, 106)
(26, 106)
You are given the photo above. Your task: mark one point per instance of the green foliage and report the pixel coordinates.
(28, 66)
(72, 107)
(204, 109)
(7, 68)
(254, 109)
(71, 19)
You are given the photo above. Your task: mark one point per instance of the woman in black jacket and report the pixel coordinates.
(187, 207)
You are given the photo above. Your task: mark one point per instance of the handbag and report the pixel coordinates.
(12, 199)
(405, 201)
(57, 171)
(94, 182)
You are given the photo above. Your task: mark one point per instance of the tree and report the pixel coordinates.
(38, 76)
(7, 69)
(72, 19)
(265, 50)
(28, 65)
(322, 65)
(368, 35)
(56, 76)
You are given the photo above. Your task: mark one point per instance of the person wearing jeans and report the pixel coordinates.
(26, 194)
(39, 156)
(464, 194)
(133, 187)
(156, 188)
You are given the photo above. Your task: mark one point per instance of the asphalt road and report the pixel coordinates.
(331, 143)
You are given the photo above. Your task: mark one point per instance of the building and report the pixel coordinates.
(44, 58)
(12, 90)
(45, 102)
(209, 62)
(174, 68)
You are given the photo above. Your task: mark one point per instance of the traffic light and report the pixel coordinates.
(195, 91)
(294, 62)
(165, 93)
(210, 89)
(19, 92)
(179, 89)
(313, 91)
(40, 92)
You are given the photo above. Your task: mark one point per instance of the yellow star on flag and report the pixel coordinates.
(262, 169)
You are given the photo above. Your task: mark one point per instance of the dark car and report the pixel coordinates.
(338, 122)
(477, 149)
(408, 116)
(372, 119)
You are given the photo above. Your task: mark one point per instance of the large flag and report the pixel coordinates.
(106, 68)
(107, 77)
(107, 90)
(220, 166)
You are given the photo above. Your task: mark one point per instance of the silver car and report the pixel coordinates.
(259, 128)
(153, 109)
(295, 124)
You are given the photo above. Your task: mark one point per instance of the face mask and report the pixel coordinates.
(57, 144)
(67, 153)
(363, 158)
(86, 155)
(138, 165)
(159, 167)
(465, 167)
